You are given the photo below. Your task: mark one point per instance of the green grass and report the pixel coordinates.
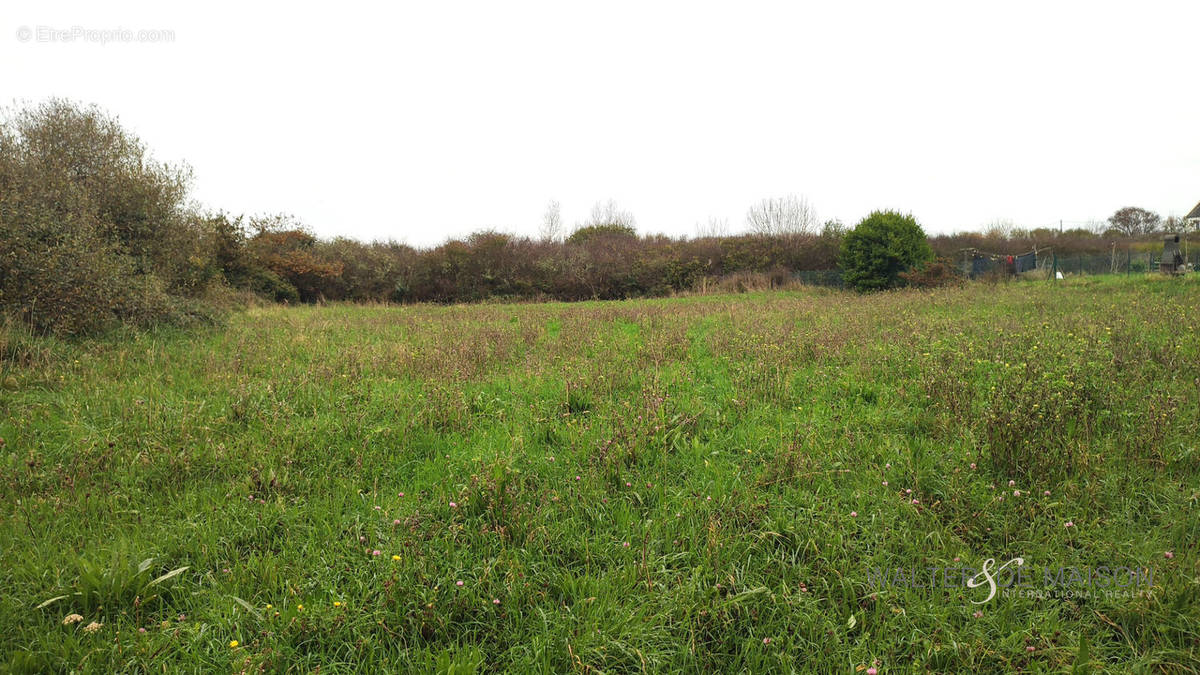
(649, 486)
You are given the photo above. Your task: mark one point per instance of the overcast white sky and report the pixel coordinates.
(421, 121)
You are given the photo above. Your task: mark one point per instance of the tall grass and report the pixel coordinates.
(694, 484)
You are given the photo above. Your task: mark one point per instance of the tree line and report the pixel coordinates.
(94, 232)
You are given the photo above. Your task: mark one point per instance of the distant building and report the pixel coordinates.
(1192, 219)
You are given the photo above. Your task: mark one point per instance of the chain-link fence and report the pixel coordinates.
(1129, 263)
(828, 278)
(1036, 265)
(1048, 264)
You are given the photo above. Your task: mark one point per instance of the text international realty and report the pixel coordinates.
(1012, 576)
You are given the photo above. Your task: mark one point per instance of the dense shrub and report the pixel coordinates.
(92, 231)
(589, 232)
(934, 274)
(65, 280)
(292, 254)
(881, 247)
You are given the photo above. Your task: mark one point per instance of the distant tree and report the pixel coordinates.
(713, 227)
(781, 216)
(1132, 221)
(608, 213)
(551, 228)
(834, 229)
(880, 248)
(999, 229)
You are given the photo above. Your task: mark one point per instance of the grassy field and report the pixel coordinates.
(696, 485)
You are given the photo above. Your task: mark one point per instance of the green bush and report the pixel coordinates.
(67, 279)
(92, 231)
(881, 247)
(589, 232)
(271, 286)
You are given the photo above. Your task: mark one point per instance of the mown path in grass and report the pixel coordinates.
(694, 484)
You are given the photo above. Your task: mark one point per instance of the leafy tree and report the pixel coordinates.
(880, 248)
(1132, 221)
(834, 229)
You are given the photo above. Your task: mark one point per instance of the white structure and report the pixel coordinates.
(1192, 219)
(1191, 223)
